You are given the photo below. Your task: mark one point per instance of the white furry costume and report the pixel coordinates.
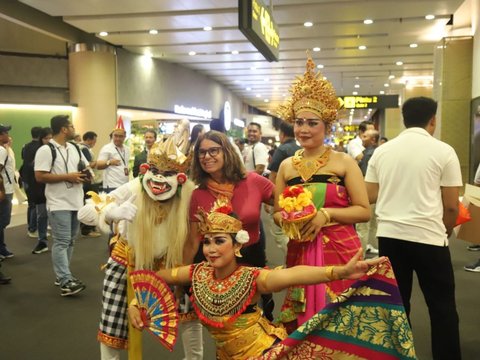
(150, 219)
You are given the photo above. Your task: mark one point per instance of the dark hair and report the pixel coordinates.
(233, 168)
(58, 122)
(384, 138)
(196, 130)
(286, 129)
(217, 125)
(255, 124)
(89, 135)
(43, 132)
(363, 125)
(35, 131)
(418, 111)
(151, 131)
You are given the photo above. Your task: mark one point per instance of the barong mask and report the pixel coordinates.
(164, 174)
(312, 93)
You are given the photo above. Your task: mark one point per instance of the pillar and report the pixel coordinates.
(93, 87)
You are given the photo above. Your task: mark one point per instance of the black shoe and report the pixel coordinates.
(57, 281)
(72, 287)
(6, 254)
(40, 248)
(4, 279)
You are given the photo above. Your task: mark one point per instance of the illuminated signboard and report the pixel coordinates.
(369, 102)
(192, 111)
(256, 22)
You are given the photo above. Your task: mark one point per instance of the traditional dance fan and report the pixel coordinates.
(157, 306)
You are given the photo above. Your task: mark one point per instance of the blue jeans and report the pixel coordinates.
(64, 225)
(42, 222)
(5, 216)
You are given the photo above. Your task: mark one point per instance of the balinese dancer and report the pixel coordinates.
(336, 184)
(224, 296)
(150, 215)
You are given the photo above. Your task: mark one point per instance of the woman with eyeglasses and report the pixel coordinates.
(218, 171)
(338, 194)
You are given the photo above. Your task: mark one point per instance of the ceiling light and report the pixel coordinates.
(390, 77)
(268, 111)
(325, 78)
(308, 24)
(266, 79)
(207, 28)
(413, 45)
(386, 85)
(284, 95)
(429, 17)
(153, 32)
(234, 52)
(381, 92)
(320, 66)
(399, 63)
(356, 86)
(316, 49)
(266, 100)
(355, 93)
(362, 47)
(258, 95)
(192, 53)
(248, 88)
(103, 33)
(253, 68)
(368, 21)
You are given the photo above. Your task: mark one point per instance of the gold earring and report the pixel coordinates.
(237, 253)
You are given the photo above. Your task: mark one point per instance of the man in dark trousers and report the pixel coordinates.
(28, 178)
(414, 180)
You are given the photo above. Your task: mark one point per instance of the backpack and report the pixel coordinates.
(80, 165)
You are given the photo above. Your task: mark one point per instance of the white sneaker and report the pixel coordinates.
(32, 234)
(371, 250)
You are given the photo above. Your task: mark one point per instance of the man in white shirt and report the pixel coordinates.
(414, 180)
(113, 159)
(7, 181)
(355, 146)
(256, 153)
(59, 165)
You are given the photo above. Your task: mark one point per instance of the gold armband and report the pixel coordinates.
(331, 276)
(174, 274)
(327, 215)
(262, 278)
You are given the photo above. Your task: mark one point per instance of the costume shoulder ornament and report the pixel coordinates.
(311, 92)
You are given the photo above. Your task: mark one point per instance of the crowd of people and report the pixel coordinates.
(403, 192)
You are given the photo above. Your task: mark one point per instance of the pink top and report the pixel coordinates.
(248, 196)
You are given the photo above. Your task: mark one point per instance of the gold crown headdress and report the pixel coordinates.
(218, 220)
(312, 93)
(166, 156)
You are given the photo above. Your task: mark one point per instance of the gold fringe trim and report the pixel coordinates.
(111, 341)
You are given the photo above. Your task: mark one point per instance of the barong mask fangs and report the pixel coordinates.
(312, 93)
(165, 172)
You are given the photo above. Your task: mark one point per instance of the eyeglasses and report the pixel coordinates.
(213, 152)
(310, 122)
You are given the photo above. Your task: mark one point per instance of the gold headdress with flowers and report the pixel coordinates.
(312, 93)
(218, 220)
(166, 156)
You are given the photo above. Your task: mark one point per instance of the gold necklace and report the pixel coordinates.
(309, 167)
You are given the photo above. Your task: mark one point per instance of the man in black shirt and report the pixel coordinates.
(28, 178)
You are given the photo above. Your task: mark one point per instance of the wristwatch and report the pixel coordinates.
(108, 162)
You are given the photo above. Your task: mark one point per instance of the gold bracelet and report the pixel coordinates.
(134, 302)
(331, 276)
(327, 215)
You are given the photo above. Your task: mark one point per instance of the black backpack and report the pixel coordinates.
(81, 166)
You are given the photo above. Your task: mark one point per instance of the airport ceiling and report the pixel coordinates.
(395, 50)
